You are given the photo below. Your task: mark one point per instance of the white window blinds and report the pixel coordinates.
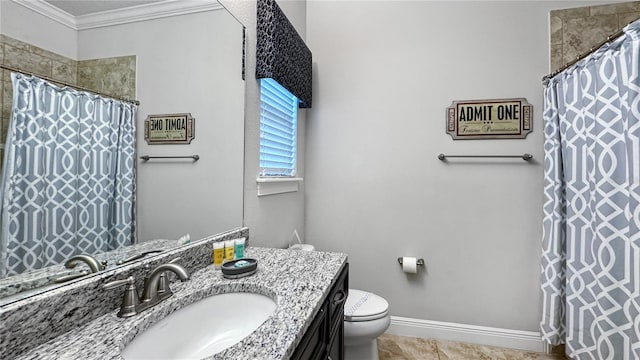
(278, 129)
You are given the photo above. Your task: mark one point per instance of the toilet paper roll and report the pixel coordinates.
(409, 264)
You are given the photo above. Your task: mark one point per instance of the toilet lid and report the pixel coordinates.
(364, 306)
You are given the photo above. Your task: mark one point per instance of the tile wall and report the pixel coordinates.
(574, 31)
(115, 76)
(30, 58)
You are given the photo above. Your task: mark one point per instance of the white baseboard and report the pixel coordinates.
(507, 338)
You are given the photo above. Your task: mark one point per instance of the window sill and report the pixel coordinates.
(272, 186)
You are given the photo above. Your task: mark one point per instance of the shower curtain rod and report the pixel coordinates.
(609, 39)
(5, 67)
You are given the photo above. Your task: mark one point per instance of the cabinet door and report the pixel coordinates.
(314, 343)
(325, 337)
(336, 346)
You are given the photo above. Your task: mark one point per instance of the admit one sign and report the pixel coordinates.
(169, 129)
(489, 119)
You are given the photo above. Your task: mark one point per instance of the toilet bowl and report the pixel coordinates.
(366, 316)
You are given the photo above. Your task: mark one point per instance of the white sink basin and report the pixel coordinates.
(203, 328)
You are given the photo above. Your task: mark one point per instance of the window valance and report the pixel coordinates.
(282, 55)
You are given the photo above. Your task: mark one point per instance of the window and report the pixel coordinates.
(278, 130)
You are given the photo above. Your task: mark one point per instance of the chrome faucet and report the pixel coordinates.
(158, 281)
(156, 288)
(94, 264)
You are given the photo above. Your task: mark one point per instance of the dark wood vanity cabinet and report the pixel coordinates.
(325, 337)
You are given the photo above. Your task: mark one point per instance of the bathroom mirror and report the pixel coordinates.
(186, 59)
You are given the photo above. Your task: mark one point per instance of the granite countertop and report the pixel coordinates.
(296, 280)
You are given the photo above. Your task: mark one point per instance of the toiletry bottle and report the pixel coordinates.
(240, 248)
(218, 254)
(229, 250)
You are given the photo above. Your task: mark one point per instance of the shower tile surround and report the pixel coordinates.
(298, 282)
(31, 322)
(115, 76)
(574, 31)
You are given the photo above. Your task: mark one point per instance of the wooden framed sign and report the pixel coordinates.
(489, 119)
(169, 129)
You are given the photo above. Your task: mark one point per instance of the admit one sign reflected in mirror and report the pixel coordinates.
(489, 119)
(169, 129)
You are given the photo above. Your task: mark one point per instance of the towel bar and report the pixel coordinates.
(148, 157)
(525, 157)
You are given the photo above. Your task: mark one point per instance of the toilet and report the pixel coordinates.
(366, 316)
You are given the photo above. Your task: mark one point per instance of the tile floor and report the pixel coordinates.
(393, 347)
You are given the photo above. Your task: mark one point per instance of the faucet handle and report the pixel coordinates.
(130, 299)
(163, 286)
(114, 284)
(65, 278)
(136, 257)
(164, 291)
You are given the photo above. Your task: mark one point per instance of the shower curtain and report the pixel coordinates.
(591, 223)
(68, 181)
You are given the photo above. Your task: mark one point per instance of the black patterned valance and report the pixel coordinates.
(281, 53)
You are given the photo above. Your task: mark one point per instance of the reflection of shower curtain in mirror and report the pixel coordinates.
(68, 180)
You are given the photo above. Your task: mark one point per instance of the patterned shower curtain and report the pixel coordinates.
(591, 225)
(68, 183)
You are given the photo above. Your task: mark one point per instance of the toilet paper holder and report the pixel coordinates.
(418, 262)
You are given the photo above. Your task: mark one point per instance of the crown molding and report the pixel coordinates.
(47, 10)
(145, 12)
(131, 14)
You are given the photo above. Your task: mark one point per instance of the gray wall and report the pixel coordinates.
(384, 73)
(271, 218)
